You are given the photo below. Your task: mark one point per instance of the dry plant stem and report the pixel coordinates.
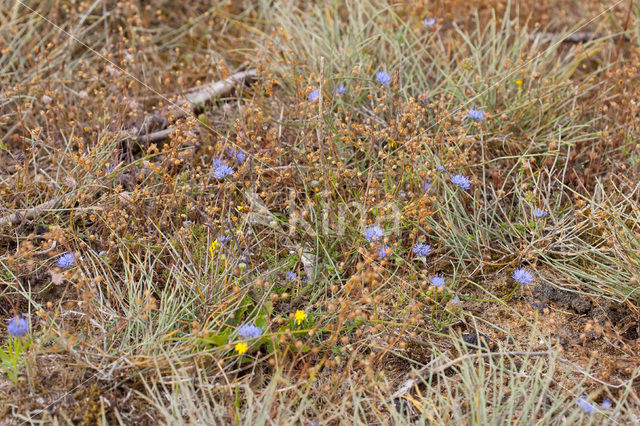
(195, 99)
(31, 213)
(408, 384)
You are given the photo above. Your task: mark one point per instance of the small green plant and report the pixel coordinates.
(12, 357)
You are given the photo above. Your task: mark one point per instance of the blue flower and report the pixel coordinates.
(291, 276)
(606, 404)
(475, 114)
(249, 331)
(238, 156)
(223, 171)
(440, 168)
(455, 300)
(223, 238)
(18, 326)
(217, 162)
(340, 90)
(429, 22)
(424, 97)
(522, 276)
(313, 95)
(384, 252)
(461, 181)
(421, 249)
(383, 78)
(437, 280)
(426, 187)
(586, 406)
(65, 260)
(373, 234)
(539, 213)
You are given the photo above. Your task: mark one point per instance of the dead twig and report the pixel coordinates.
(154, 125)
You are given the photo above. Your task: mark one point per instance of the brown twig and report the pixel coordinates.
(154, 127)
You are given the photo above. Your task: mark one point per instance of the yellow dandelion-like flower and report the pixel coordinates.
(214, 245)
(519, 83)
(241, 348)
(300, 316)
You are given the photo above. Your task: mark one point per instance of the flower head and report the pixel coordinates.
(18, 326)
(241, 348)
(223, 171)
(340, 90)
(217, 162)
(522, 276)
(300, 316)
(455, 300)
(384, 252)
(437, 280)
(421, 249)
(475, 114)
(249, 331)
(313, 95)
(373, 233)
(383, 78)
(426, 186)
(291, 276)
(461, 181)
(424, 97)
(429, 22)
(440, 168)
(606, 404)
(213, 247)
(65, 260)
(539, 213)
(586, 406)
(223, 238)
(238, 156)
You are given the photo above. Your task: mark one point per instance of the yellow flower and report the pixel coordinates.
(241, 348)
(300, 316)
(519, 83)
(214, 245)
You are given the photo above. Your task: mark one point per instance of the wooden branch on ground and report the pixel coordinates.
(154, 125)
(19, 215)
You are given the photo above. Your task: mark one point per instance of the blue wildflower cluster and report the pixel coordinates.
(220, 169)
(438, 280)
(429, 22)
(373, 233)
(421, 249)
(475, 114)
(18, 326)
(249, 331)
(539, 213)
(383, 78)
(237, 156)
(522, 276)
(65, 260)
(462, 182)
(313, 95)
(384, 252)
